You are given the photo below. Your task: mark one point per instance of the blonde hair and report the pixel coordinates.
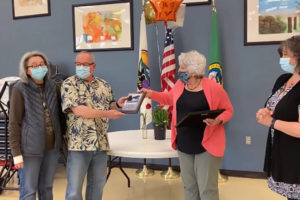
(194, 61)
(24, 62)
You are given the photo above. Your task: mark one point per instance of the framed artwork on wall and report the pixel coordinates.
(196, 2)
(270, 22)
(104, 26)
(30, 8)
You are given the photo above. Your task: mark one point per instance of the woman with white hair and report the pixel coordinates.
(202, 145)
(34, 127)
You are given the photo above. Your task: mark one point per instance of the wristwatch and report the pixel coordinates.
(118, 105)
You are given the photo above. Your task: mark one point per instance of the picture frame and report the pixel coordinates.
(196, 2)
(30, 8)
(103, 26)
(270, 22)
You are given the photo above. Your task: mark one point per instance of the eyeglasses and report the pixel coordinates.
(83, 64)
(35, 65)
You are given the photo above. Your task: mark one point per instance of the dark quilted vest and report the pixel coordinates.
(33, 125)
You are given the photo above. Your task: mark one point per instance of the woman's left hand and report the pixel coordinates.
(212, 122)
(264, 116)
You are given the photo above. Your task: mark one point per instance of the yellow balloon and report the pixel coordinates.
(149, 13)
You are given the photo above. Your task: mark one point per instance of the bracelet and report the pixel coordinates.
(118, 105)
(272, 123)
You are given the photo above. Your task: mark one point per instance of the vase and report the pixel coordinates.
(144, 131)
(159, 132)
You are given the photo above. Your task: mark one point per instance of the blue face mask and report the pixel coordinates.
(286, 66)
(82, 72)
(184, 77)
(39, 72)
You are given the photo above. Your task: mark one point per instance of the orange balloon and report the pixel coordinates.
(165, 9)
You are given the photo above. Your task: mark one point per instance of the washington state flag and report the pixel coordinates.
(215, 69)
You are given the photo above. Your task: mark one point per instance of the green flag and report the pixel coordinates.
(215, 70)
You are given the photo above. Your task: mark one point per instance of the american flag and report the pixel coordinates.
(168, 65)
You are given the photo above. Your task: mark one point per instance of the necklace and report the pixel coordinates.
(193, 87)
(290, 83)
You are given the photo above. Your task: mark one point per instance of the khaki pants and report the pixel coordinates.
(199, 174)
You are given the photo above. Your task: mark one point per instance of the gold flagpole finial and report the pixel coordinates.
(214, 5)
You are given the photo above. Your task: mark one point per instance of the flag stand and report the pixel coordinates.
(145, 172)
(222, 178)
(170, 173)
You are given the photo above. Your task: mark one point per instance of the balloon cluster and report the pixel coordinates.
(161, 10)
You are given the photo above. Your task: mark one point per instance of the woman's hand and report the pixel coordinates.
(121, 101)
(148, 92)
(264, 116)
(19, 165)
(213, 122)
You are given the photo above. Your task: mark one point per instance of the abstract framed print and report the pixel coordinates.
(104, 26)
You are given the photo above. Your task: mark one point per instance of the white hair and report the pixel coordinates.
(24, 64)
(194, 61)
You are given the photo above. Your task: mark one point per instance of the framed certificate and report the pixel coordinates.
(194, 117)
(133, 103)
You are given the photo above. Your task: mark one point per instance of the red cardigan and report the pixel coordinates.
(214, 136)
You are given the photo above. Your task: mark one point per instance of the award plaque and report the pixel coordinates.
(133, 103)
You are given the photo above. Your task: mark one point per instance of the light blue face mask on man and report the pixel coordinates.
(39, 72)
(184, 76)
(286, 66)
(82, 72)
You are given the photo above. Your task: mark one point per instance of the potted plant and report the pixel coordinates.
(160, 121)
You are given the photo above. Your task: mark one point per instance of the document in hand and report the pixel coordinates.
(133, 103)
(195, 117)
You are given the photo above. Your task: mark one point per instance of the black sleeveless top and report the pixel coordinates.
(189, 138)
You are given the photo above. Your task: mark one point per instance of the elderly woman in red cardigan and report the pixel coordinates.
(202, 145)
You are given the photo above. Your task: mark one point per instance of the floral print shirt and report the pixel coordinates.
(86, 134)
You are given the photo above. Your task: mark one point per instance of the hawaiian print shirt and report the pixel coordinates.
(86, 134)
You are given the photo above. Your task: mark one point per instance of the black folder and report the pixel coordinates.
(193, 118)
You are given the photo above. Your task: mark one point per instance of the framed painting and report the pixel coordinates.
(270, 22)
(196, 2)
(30, 8)
(104, 26)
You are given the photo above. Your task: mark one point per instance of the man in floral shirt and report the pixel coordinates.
(88, 102)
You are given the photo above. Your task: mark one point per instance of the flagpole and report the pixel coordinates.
(213, 5)
(143, 70)
(221, 178)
